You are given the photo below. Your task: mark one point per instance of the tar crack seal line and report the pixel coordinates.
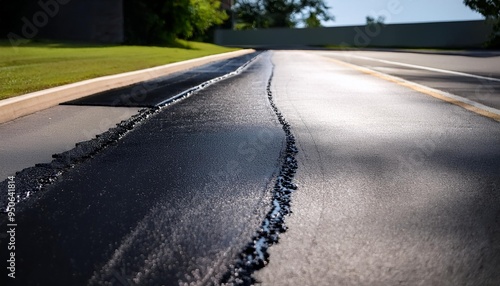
(255, 256)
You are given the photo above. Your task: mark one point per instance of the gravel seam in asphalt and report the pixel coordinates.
(256, 256)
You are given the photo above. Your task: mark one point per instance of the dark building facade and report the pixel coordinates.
(100, 21)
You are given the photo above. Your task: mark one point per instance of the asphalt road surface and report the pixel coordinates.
(396, 187)
(473, 75)
(174, 201)
(153, 92)
(33, 139)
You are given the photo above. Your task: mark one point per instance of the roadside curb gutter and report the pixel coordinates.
(12, 108)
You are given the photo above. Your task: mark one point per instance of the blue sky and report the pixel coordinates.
(354, 12)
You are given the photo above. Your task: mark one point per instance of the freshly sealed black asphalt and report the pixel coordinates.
(174, 201)
(395, 187)
(151, 93)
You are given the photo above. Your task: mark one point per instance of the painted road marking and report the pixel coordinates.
(427, 68)
(468, 104)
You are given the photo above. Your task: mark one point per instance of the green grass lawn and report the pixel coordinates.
(37, 66)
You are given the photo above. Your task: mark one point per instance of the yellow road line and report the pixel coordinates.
(421, 89)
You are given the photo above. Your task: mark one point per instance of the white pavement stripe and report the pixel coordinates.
(440, 92)
(427, 68)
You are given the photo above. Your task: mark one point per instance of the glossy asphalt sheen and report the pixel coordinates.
(395, 187)
(175, 201)
(485, 64)
(152, 92)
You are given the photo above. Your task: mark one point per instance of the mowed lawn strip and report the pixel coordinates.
(37, 66)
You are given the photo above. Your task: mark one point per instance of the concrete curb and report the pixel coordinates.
(22, 105)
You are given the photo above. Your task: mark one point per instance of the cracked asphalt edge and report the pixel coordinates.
(31, 181)
(255, 255)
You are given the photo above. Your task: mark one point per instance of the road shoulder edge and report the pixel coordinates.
(465, 103)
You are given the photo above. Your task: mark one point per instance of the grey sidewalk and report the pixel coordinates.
(33, 139)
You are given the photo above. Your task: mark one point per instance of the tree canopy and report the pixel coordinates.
(146, 21)
(159, 21)
(253, 14)
(491, 10)
(372, 21)
(488, 8)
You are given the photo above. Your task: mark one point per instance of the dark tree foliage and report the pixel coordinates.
(162, 21)
(372, 21)
(491, 10)
(250, 15)
(314, 11)
(146, 21)
(488, 8)
(279, 13)
(143, 25)
(253, 14)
